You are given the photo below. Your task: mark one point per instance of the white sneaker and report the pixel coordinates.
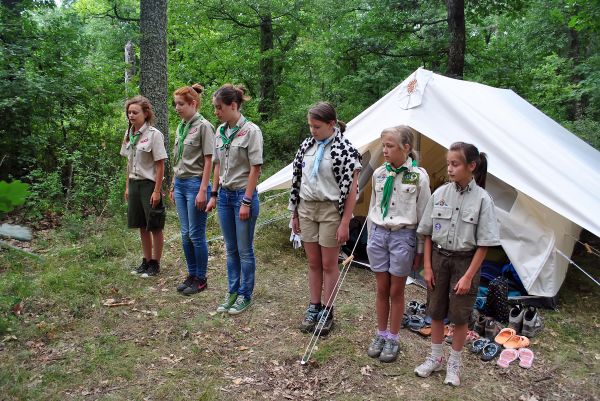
(430, 365)
(452, 373)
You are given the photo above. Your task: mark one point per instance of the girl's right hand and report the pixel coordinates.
(295, 224)
(429, 277)
(212, 203)
(172, 196)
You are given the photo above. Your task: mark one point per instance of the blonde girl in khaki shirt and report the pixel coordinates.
(143, 145)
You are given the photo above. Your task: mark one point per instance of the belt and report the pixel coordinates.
(406, 227)
(438, 248)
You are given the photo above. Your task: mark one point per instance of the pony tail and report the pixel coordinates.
(129, 125)
(480, 172)
(413, 155)
(198, 88)
(342, 126)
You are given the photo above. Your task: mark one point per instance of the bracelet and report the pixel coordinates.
(246, 203)
(214, 194)
(155, 192)
(246, 199)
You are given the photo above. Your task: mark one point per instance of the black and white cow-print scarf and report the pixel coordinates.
(346, 159)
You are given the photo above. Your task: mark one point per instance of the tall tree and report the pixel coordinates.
(153, 63)
(456, 48)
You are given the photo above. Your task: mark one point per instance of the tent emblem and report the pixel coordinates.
(412, 85)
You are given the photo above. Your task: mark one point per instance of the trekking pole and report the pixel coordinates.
(331, 301)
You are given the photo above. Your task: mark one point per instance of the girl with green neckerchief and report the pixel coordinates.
(399, 197)
(192, 163)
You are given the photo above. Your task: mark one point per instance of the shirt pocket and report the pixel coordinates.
(144, 147)
(441, 217)
(407, 193)
(470, 216)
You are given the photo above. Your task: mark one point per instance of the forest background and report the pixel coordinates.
(62, 70)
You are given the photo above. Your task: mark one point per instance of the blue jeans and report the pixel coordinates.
(239, 240)
(193, 225)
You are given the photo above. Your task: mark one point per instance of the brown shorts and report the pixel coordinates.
(442, 301)
(140, 213)
(319, 222)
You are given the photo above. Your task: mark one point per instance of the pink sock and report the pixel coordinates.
(383, 333)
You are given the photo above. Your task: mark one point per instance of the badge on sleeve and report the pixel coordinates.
(410, 178)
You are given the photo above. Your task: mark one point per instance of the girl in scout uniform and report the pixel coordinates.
(237, 161)
(459, 223)
(144, 147)
(400, 193)
(323, 196)
(192, 155)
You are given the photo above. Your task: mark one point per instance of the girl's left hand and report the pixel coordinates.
(342, 234)
(244, 212)
(201, 200)
(463, 286)
(417, 261)
(154, 199)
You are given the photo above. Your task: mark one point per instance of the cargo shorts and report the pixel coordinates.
(140, 213)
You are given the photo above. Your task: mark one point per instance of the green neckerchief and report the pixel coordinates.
(228, 139)
(133, 137)
(388, 187)
(182, 131)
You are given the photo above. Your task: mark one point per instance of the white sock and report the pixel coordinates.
(436, 350)
(455, 355)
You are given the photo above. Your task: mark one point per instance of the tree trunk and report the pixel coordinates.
(266, 106)
(456, 48)
(153, 64)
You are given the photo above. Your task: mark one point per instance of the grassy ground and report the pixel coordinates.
(65, 345)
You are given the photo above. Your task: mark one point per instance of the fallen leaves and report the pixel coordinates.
(366, 370)
(112, 302)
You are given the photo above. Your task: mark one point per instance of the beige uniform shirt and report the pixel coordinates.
(460, 220)
(149, 148)
(234, 161)
(323, 187)
(199, 142)
(407, 202)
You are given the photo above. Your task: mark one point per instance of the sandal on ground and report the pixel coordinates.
(516, 342)
(404, 322)
(416, 322)
(526, 358)
(412, 307)
(425, 331)
(490, 351)
(478, 345)
(504, 335)
(471, 336)
(506, 357)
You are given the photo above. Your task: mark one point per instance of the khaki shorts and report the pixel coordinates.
(319, 222)
(442, 301)
(140, 213)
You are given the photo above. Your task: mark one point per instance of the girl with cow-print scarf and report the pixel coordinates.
(323, 195)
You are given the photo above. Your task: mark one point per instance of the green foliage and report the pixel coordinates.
(12, 194)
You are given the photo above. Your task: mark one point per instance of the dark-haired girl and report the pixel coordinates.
(192, 162)
(323, 196)
(459, 224)
(144, 147)
(237, 161)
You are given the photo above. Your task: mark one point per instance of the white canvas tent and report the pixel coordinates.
(545, 181)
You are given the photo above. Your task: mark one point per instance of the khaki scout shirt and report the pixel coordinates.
(149, 148)
(460, 220)
(246, 150)
(199, 142)
(323, 187)
(407, 202)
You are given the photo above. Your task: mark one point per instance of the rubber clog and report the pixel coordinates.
(416, 322)
(490, 351)
(525, 358)
(478, 345)
(516, 342)
(425, 331)
(505, 335)
(506, 357)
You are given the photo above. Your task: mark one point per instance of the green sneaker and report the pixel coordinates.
(240, 305)
(227, 302)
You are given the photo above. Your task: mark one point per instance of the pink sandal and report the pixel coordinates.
(526, 358)
(506, 357)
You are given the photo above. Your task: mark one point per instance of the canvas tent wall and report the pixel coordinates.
(544, 180)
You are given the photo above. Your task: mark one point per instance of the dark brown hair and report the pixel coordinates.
(471, 154)
(324, 111)
(190, 93)
(146, 106)
(229, 93)
(403, 135)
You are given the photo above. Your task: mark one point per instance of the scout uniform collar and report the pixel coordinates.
(182, 131)
(134, 137)
(228, 139)
(408, 177)
(468, 188)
